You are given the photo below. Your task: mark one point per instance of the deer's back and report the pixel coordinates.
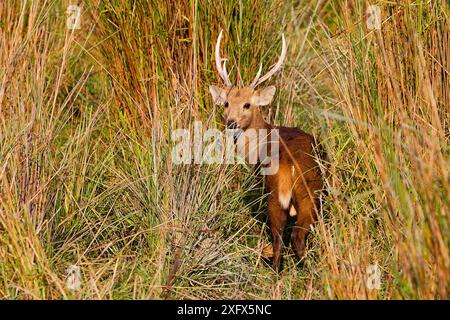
(298, 145)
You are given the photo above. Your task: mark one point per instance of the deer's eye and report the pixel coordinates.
(226, 104)
(247, 106)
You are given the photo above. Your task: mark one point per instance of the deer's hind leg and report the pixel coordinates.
(277, 218)
(306, 215)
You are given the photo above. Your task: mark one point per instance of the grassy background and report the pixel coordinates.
(85, 171)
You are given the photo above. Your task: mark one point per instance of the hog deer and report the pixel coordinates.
(293, 189)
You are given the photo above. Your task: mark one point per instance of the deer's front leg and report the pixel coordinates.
(278, 218)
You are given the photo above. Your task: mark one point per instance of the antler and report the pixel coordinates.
(222, 71)
(275, 68)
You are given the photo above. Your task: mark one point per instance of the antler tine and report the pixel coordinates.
(255, 81)
(224, 67)
(275, 68)
(222, 72)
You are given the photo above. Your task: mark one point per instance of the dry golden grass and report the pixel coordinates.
(86, 176)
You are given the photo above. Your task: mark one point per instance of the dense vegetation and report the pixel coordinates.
(86, 177)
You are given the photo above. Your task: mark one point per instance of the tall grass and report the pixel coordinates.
(85, 149)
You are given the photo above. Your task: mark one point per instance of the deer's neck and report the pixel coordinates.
(258, 122)
(254, 141)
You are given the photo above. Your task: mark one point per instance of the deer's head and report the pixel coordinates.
(241, 105)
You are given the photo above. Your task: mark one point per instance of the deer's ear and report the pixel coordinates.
(218, 95)
(264, 97)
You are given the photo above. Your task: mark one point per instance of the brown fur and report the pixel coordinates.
(297, 151)
(294, 188)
